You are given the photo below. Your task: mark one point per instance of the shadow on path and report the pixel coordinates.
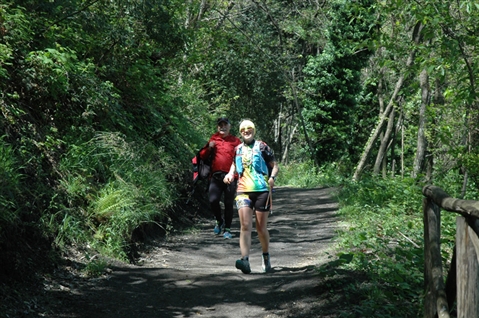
(193, 275)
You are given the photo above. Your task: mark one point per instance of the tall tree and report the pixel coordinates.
(416, 36)
(419, 164)
(332, 81)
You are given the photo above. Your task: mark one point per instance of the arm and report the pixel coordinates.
(273, 166)
(274, 173)
(230, 176)
(208, 149)
(205, 152)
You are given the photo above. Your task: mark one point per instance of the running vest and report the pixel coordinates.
(256, 165)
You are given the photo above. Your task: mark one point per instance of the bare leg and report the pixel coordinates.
(262, 229)
(246, 220)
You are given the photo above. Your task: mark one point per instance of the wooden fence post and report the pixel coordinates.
(435, 301)
(429, 299)
(467, 245)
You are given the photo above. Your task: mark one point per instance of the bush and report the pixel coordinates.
(10, 183)
(382, 235)
(112, 187)
(307, 175)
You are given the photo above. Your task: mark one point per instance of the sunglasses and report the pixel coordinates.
(245, 129)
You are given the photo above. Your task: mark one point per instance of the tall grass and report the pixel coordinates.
(307, 175)
(382, 235)
(112, 187)
(10, 181)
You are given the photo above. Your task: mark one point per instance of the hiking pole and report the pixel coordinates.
(192, 191)
(270, 201)
(190, 195)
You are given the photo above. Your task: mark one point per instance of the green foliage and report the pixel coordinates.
(103, 144)
(471, 165)
(242, 86)
(104, 103)
(119, 185)
(10, 186)
(331, 86)
(95, 267)
(382, 237)
(306, 175)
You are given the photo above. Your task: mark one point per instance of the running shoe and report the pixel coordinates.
(266, 264)
(243, 265)
(219, 228)
(227, 234)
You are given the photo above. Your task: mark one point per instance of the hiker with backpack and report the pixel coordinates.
(221, 147)
(257, 169)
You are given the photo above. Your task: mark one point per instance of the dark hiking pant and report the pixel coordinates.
(216, 190)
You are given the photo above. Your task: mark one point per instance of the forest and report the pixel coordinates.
(104, 103)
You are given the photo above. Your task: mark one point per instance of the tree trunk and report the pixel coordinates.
(438, 100)
(298, 108)
(277, 129)
(384, 165)
(421, 136)
(374, 135)
(377, 130)
(287, 145)
(384, 143)
(402, 151)
(381, 108)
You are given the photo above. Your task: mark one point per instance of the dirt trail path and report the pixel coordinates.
(193, 275)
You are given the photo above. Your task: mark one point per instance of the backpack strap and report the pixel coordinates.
(259, 163)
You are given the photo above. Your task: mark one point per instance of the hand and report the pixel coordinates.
(271, 183)
(212, 144)
(228, 178)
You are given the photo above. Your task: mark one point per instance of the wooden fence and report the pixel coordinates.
(462, 282)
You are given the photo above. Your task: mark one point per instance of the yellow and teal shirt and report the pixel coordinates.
(253, 164)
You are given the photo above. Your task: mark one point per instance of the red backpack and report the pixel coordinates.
(201, 168)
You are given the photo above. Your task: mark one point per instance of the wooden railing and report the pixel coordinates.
(462, 282)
